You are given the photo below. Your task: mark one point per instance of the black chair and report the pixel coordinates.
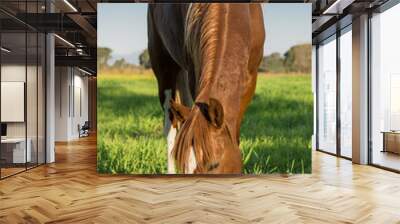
(84, 130)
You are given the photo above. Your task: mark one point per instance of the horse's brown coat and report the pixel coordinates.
(219, 46)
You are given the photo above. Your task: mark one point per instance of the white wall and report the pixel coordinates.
(12, 73)
(16, 73)
(70, 83)
(80, 118)
(33, 126)
(13, 101)
(62, 81)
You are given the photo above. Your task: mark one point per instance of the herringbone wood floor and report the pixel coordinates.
(70, 191)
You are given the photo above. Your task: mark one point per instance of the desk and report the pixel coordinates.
(13, 150)
(391, 141)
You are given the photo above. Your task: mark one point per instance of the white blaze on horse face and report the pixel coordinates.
(192, 164)
(171, 141)
(169, 131)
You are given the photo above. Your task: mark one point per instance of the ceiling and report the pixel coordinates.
(330, 15)
(73, 21)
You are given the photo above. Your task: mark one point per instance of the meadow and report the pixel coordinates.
(275, 134)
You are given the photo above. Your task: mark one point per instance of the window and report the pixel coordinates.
(385, 89)
(327, 95)
(346, 92)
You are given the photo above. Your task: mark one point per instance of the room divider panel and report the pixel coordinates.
(23, 85)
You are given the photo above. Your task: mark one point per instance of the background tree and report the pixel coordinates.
(298, 59)
(120, 64)
(272, 63)
(103, 56)
(144, 59)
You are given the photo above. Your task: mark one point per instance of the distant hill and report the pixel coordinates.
(132, 58)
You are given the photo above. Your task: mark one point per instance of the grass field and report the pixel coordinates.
(275, 134)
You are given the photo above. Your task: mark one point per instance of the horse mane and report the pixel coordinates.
(202, 34)
(193, 133)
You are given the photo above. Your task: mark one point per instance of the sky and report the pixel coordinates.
(123, 27)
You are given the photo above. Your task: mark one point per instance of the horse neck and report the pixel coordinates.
(220, 52)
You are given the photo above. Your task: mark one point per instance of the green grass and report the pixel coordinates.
(275, 134)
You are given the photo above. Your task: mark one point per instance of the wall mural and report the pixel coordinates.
(204, 88)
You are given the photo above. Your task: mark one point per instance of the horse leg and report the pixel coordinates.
(166, 71)
(166, 92)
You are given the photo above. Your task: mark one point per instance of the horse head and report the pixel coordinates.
(204, 143)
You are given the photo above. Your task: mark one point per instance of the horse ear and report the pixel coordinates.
(178, 112)
(215, 113)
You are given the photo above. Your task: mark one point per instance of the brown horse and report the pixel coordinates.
(205, 57)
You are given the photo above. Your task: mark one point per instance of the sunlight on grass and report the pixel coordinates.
(275, 133)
